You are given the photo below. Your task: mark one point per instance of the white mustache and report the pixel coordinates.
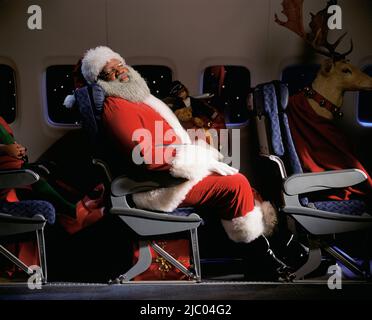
(133, 88)
(125, 74)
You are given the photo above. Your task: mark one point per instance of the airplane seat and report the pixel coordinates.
(147, 225)
(319, 220)
(18, 218)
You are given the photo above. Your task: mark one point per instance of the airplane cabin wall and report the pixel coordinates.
(187, 36)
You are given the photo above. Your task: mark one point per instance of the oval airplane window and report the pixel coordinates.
(8, 96)
(298, 76)
(230, 86)
(59, 84)
(158, 78)
(364, 103)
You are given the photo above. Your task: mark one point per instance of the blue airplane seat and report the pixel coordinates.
(146, 224)
(18, 218)
(320, 218)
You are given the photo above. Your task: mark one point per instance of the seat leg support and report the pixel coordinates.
(143, 263)
(347, 262)
(313, 261)
(195, 253)
(15, 260)
(145, 260)
(367, 255)
(159, 250)
(42, 255)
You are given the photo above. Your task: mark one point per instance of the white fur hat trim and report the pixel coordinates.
(95, 59)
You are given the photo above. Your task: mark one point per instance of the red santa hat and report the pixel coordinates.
(90, 67)
(95, 59)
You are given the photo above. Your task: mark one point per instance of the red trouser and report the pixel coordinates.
(229, 196)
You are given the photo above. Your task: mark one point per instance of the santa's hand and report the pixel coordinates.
(222, 168)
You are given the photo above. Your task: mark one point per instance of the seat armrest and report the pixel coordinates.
(39, 168)
(316, 181)
(125, 185)
(104, 166)
(159, 216)
(17, 178)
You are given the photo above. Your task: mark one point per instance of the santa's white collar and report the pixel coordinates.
(161, 108)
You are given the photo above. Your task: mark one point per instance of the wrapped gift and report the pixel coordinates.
(161, 269)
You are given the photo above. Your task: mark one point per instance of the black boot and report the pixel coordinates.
(288, 249)
(261, 263)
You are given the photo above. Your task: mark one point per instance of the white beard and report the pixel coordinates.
(135, 89)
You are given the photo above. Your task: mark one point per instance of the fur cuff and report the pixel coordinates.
(246, 228)
(270, 217)
(260, 221)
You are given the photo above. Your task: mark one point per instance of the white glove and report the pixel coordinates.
(222, 168)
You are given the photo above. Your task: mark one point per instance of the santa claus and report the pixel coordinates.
(133, 119)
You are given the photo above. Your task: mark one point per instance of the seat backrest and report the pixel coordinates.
(271, 100)
(90, 102)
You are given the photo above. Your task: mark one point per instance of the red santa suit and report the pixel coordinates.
(228, 196)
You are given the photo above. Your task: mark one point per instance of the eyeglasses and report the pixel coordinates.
(106, 75)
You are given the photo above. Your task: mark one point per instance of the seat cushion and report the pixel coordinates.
(29, 208)
(351, 207)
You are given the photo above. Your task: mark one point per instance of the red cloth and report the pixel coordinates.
(88, 212)
(322, 146)
(161, 269)
(26, 251)
(228, 196)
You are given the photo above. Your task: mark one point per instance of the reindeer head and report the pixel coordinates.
(344, 76)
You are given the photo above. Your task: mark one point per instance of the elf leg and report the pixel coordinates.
(5, 136)
(42, 190)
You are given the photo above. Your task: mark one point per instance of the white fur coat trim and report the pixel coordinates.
(246, 228)
(163, 199)
(191, 162)
(161, 108)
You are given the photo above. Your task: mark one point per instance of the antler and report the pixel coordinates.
(292, 9)
(318, 36)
